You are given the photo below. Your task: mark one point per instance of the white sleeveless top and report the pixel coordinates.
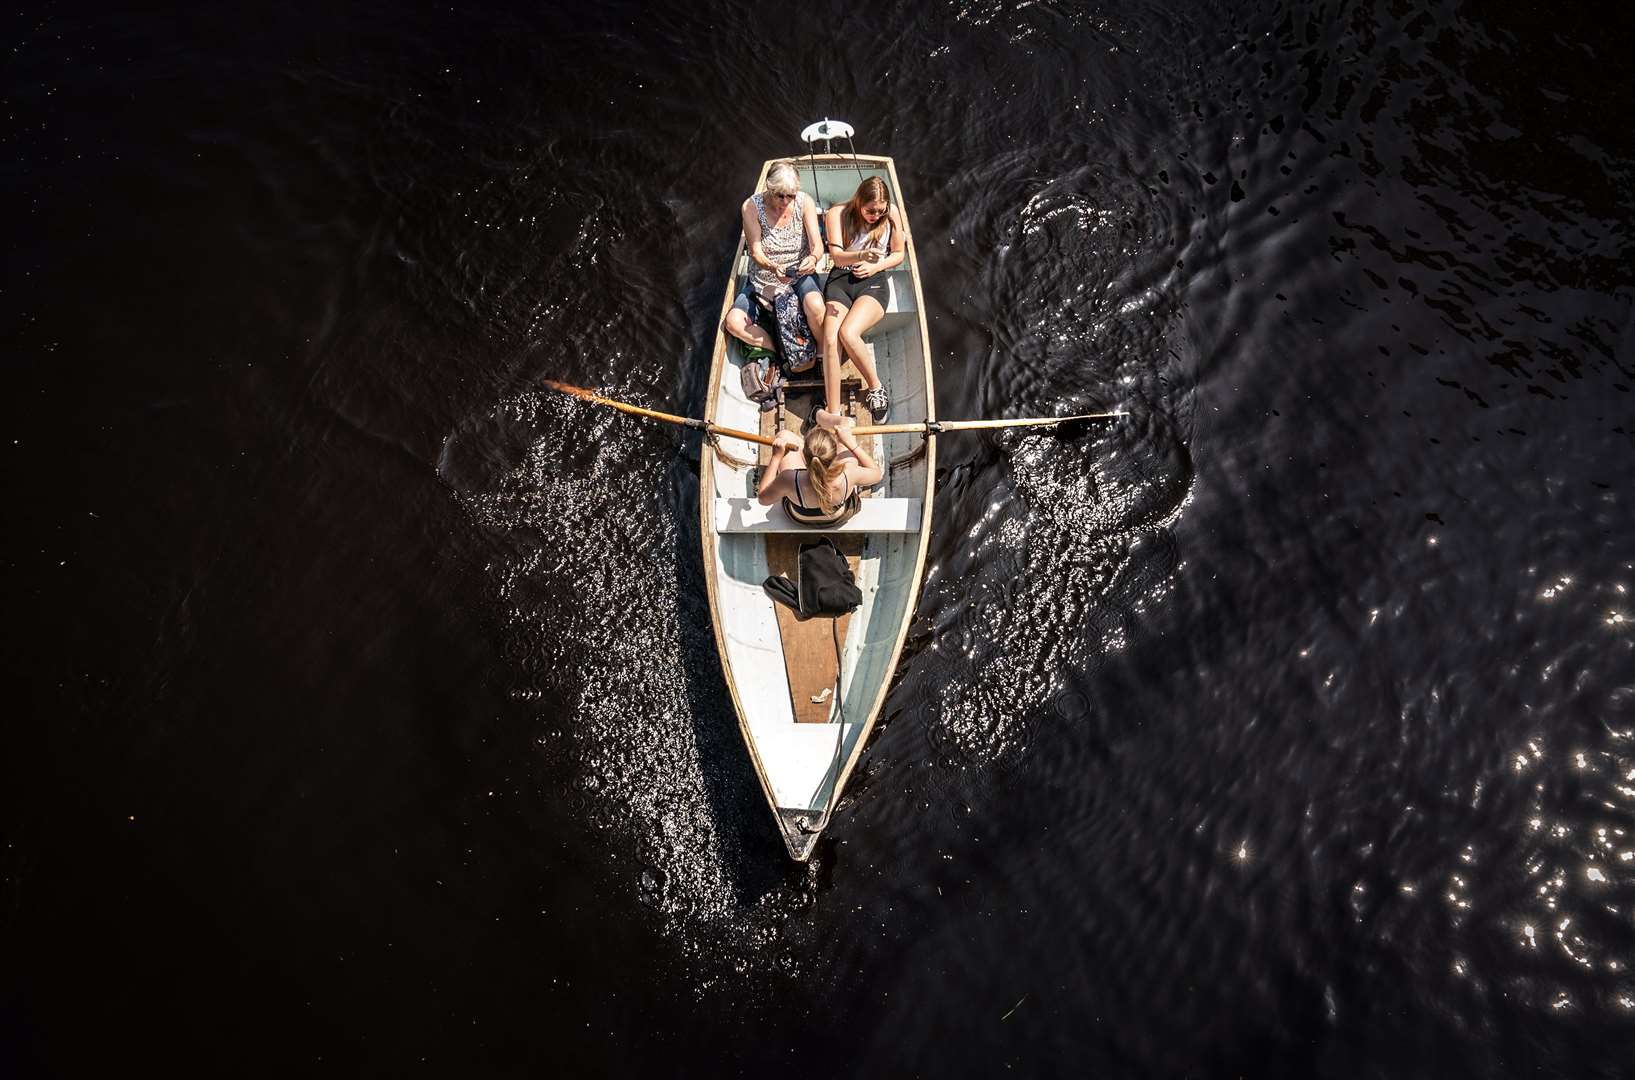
(860, 242)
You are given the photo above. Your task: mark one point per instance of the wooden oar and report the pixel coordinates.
(935, 427)
(653, 414)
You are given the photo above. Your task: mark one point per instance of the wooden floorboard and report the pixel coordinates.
(809, 647)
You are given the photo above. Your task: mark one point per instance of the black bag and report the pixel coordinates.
(823, 583)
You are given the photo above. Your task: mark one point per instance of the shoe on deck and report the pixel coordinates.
(878, 404)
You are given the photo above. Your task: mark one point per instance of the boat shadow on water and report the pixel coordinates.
(751, 853)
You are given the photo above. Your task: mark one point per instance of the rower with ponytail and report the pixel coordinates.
(819, 477)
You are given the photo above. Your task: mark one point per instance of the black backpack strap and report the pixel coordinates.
(783, 591)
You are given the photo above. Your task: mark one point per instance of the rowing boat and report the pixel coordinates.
(807, 694)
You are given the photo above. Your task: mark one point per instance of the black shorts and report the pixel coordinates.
(843, 288)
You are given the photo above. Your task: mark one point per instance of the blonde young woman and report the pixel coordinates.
(781, 231)
(866, 237)
(818, 474)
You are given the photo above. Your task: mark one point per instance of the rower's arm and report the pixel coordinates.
(775, 477)
(868, 472)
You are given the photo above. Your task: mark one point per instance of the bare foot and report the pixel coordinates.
(827, 419)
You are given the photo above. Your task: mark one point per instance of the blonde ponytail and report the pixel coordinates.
(822, 450)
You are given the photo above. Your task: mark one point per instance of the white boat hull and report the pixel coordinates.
(803, 765)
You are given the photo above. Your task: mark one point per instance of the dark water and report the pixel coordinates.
(372, 723)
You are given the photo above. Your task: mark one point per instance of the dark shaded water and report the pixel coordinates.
(371, 717)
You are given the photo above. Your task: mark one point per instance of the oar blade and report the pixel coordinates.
(576, 391)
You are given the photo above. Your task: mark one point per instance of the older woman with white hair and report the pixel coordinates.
(781, 231)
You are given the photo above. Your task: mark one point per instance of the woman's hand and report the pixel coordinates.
(786, 440)
(861, 269)
(843, 432)
(807, 266)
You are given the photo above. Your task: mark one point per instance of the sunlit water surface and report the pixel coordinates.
(1283, 727)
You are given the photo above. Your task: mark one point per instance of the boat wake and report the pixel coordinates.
(1062, 540)
(605, 630)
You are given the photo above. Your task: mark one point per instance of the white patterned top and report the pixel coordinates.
(782, 246)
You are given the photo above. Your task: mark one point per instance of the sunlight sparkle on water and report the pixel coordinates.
(1562, 584)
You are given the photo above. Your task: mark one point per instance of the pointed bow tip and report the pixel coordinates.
(794, 825)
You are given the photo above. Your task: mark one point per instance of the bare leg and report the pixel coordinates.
(750, 333)
(835, 315)
(812, 305)
(859, 321)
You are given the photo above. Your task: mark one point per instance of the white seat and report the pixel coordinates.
(743, 515)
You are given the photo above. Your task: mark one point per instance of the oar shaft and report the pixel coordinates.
(937, 426)
(637, 410)
(717, 429)
(653, 414)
